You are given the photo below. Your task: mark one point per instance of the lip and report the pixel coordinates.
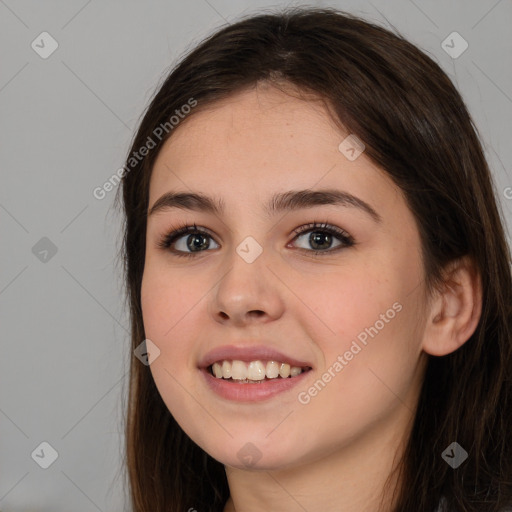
(251, 392)
(248, 354)
(244, 392)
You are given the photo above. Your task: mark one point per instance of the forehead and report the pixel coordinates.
(252, 119)
(261, 141)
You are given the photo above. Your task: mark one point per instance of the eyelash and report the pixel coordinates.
(347, 241)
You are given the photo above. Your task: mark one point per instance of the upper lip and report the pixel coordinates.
(248, 354)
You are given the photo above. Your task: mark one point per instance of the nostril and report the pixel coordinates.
(256, 312)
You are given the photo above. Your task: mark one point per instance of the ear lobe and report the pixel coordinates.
(455, 312)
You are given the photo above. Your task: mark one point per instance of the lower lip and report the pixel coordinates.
(251, 392)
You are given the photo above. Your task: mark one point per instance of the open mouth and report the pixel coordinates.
(254, 372)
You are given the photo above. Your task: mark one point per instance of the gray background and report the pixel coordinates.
(66, 124)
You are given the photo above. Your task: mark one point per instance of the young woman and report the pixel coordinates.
(317, 269)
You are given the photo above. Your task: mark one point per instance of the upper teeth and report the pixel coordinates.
(255, 370)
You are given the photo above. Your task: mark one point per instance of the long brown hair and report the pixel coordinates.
(415, 127)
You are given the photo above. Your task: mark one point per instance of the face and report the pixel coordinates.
(330, 285)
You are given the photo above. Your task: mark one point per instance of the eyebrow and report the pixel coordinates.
(284, 201)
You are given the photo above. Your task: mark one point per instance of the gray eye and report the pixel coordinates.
(195, 242)
(318, 240)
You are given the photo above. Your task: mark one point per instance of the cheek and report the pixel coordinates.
(374, 303)
(168, 301)
(372, 344)
(174, 312)
(348, 302)
(169, 309)
(363, 387)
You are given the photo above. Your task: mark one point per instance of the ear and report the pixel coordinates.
(455, 311)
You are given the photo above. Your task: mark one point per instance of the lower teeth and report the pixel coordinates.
(248, 381)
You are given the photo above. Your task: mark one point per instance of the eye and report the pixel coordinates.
(321, 238)
(197, 240)
(189, 240)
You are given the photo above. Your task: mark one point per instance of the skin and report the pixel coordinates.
(346, 440)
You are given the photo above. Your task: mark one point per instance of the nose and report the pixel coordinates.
(247, 292)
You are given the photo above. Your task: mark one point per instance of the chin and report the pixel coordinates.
(254, 456)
